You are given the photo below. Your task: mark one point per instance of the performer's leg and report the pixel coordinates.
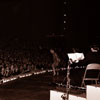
(57, 71)
(54, 71)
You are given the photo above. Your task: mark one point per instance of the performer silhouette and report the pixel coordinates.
(55, 63)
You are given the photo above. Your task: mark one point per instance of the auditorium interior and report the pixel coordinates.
(49, 50)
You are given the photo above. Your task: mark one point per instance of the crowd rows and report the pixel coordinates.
(14, 61)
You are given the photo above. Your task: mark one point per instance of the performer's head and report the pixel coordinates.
(52, 51)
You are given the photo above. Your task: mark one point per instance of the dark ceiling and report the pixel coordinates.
(34, 20)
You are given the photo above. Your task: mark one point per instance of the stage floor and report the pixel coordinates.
(35, 87)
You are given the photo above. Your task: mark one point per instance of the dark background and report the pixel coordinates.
(42, 22)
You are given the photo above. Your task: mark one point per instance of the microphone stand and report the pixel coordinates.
(66, 96)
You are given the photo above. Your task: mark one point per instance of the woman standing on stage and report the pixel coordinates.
(55, 63)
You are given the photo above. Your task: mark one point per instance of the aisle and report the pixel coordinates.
(35, 87)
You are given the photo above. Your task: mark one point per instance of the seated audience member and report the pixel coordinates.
(93, 56)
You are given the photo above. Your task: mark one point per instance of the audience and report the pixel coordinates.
(16, 61)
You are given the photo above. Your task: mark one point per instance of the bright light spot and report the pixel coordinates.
(64, 21)
(64, 14)
(65, 2)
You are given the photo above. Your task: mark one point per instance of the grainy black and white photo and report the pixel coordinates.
(49, 50)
